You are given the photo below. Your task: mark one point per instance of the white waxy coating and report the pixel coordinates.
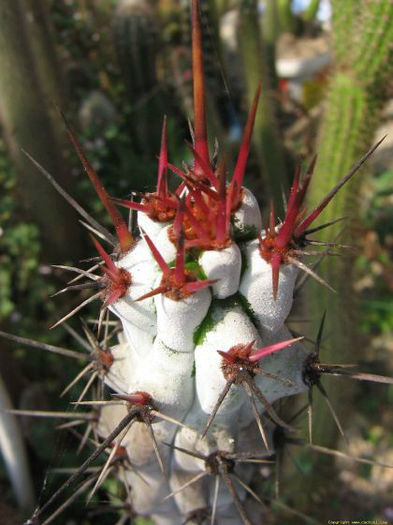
(150, 226)
(256, 287)
(144, 271)
(232, 327)
(110, 417)
(167, 376)
(148, 494)
(177, 320)
(219, 437)
(287, 363)
(119, 374)
(140, 341)
(225, 266)
(200, 494)
(164, 245)
(193, 497)
(172, 518)
(248, 214)
(138, 441)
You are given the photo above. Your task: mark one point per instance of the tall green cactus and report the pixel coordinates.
(136, 41)
(311, 11)
(27, 84)
(288, 21)
(256, 70)
(271, 31)
(362, 36)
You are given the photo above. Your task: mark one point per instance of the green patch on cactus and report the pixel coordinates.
(239, 300)
(196, 269)
(211, 318)
(206, 325)
(247, 308)
(244, 267)
(243, 233)
(192, 265)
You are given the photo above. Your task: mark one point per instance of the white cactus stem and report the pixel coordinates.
(150, 226)
(177, 320)
(167, 376)
(165, 246)
(225, 267)
(118, 376)
(140, 341)
(287, 364)
(189, 438)
(143, 269)
(193, 497)
(232, 327)
(137, 441)
(149, 492)
(248, 214)
(256, 287)
(166, 366)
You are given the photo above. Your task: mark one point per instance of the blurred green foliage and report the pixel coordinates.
(19, 250)
(377, 261)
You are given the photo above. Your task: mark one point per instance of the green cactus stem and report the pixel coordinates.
(311, 11)
(136, 42)
(266, 135)
(287, 20)
(361, 39)
(271, 31)
(24, 109)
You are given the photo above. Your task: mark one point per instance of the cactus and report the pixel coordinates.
(22, 113)
(362, 42)
(311, 11)
(136, 41)
(271, 29)
(288, 21)
(175, 61)
(256, 67)
(202, 351)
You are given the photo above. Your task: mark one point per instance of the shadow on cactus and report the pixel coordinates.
(185, 421)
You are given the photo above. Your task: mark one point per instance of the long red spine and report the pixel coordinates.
(200, 129)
